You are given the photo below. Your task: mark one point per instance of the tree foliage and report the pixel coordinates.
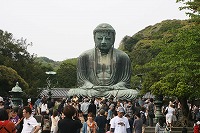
(14, 54)
(8, 79)
(194, 9)
(177, 66)
(66, 75)
(146, 45)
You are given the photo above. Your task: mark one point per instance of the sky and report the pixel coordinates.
(63, 29)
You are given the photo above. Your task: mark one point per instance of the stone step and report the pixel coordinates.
(174, 130)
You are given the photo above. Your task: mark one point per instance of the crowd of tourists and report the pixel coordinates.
(90, 115)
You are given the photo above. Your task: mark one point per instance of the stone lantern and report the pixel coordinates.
(16, 89)
(16, 93)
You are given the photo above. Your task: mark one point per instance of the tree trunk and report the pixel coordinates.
(185, 111)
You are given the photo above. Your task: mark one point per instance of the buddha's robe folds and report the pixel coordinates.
(104, 72)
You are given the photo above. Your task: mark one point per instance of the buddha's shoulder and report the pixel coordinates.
(120, 53)
(87, 52)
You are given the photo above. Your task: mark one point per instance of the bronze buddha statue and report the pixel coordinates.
(104, 70)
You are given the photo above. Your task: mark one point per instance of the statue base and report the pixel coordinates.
(118, 94)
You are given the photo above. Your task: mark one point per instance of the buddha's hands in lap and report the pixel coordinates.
(102, 88)
(118, 86)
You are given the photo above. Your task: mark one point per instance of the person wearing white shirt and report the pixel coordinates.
(84, 108)
(119, 124)
(54, 122)
(169, 116)
(30, 124)
(44, 108)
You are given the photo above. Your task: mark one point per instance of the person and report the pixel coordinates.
(150, 110)
(110, 115)
(160, 126)
(30, 103)
(130, 109)
(71, 123)
(7, 103)
(75, 98)
(30, 124)
(103, 67)
(101, 121)
(196, 127)
(169, 115)
(20, 125)
(46, 124)
(84, 108)
(90, 126)
(6, 125)
(37, 105)
(44, 108)
(92, 107)
(54, 122)
(130, 122)
(1, 103)
(50, 105)
(80, 116)
(61, 106)
(15, 118)
(119, 124)
(143, 117)
(138, 123)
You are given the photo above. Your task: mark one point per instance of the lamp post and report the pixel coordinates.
(48, 80)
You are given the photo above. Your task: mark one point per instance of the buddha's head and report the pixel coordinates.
(104, 37)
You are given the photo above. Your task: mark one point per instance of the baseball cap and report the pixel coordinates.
(120, 109)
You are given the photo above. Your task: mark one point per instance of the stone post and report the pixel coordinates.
(158, 103)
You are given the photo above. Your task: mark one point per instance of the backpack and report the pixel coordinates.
(143, 117)
(3, 128)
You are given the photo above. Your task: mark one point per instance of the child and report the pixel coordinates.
(14, 117)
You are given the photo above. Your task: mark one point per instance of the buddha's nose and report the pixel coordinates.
(103, 41)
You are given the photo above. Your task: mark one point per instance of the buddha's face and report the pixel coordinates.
(104, 40)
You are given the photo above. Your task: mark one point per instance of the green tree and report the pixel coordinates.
(66, 75)
(8, 79)
(194, 9)
(145, 45)
(14, 54)
(175, 71)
